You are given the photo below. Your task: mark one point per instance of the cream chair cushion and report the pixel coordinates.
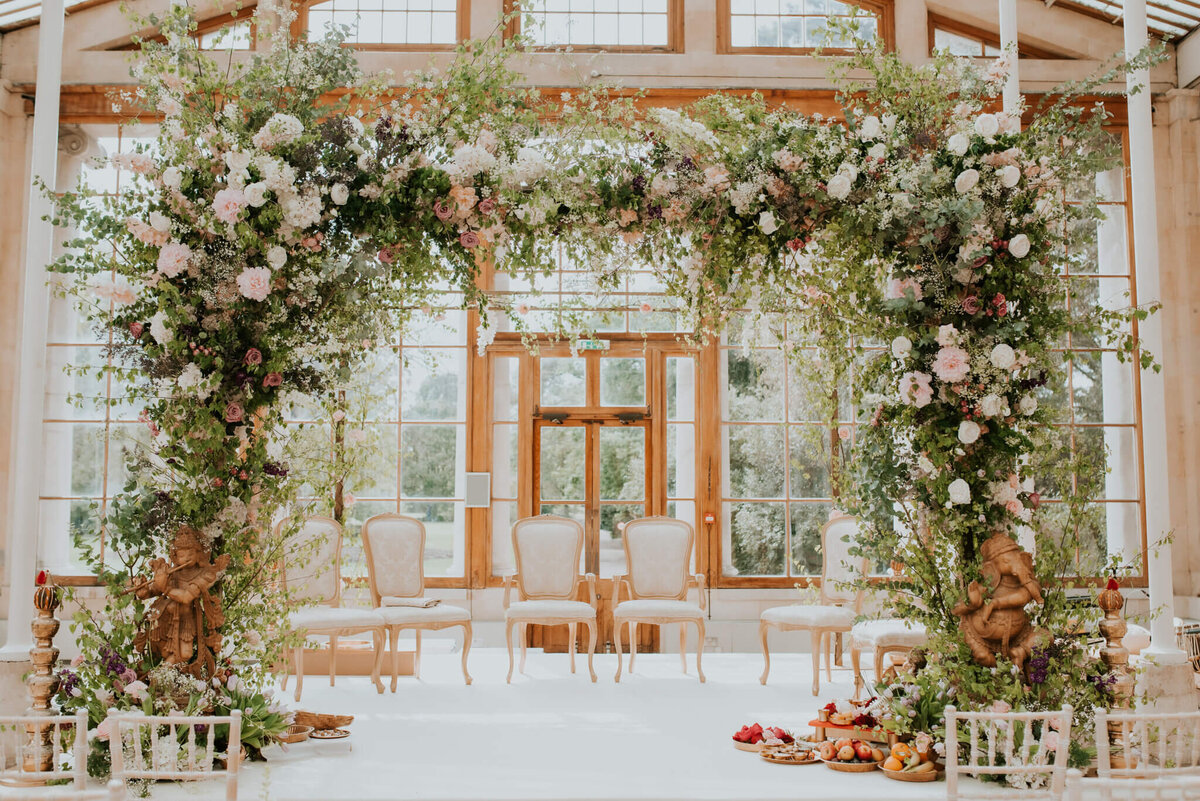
(679, 610)
(548, 551)
(442, 613)
(810, 616)
(659, 554)
(328, 618)
(316, 580)
(905, 633)
(557, 610)
(396, 553)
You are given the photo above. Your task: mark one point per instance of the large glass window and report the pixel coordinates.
(419, 23)
(796, 25)
(608, 24)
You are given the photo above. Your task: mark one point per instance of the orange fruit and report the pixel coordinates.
(892, 763)
(901, 751)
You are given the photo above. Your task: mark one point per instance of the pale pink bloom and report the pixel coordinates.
(628, 216)
(1014, 507)
(146, 233)
(843, 432)
(645, 308)
(915, 389)
(77, 660)
(228, 203)
(951, 365)
(1051, 741)
(348, 499)
(254, 283)
(103, 730)
(339, 416)
(140, 163)
(522, 309)
(173, 259)
(1001, 707)
(123, 294)
(900, 287)
(137, 690)
(170, 106)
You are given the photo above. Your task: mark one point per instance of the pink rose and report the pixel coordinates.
(645, 308)
(901, 287)
(1014, 507)
(1001, 707)
(970, 304)
(1035, 500)
(313, 243)
(385, 255)
(469, 239)
(444, 211)
(951, 365)
(487, 205)
(77, 660)
(234, 412)
(173, 259)
(253, 356)
(273, 380)
(843, 432)
(1051, 741)
(1000, 304)
(255, 283)
(140, 163)
(227, 204)
(915, 389)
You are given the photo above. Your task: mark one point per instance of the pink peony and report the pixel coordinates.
(915, 389)
(145, 233)
(173, 259)
(901, 287)
(253, 356)
(951, 365)
(227, 204)
(1014, 507)
(234, 413)
(469, 239)
(273, 380)
(255, 283)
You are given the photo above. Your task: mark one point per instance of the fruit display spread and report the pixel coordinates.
(755, 734)
(849, 751)
(907, 759)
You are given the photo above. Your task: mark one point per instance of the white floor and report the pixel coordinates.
(552, 735)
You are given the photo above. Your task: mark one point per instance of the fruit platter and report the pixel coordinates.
(907, 763)
(794, 753)
(754, 737)
(850, 756)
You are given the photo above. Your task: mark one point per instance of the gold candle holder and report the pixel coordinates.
(42, 683)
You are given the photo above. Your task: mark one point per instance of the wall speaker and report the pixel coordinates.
(479, 490)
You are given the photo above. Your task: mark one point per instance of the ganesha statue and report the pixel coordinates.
(993, 618)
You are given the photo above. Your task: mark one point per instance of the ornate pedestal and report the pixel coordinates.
(43, 684)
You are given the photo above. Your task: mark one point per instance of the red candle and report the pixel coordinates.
(42, 577)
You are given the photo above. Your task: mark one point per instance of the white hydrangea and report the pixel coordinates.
(280, 129)
(529, 168)
(302, 211)
(1027, 405)
(744, 196)
(468, 161)
(159, 329)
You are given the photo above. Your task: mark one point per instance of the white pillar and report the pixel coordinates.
(1154, 428)
(1008, 43)
(31, 359)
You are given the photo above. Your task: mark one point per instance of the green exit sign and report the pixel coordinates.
(591, 344)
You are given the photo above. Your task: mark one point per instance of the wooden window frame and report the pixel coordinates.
(674, 43)
(209, 25)
(462, 32)
(884, 10)
(938, 22)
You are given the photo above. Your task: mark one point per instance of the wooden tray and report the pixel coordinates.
(851, 767)
(329, 734)
(903, 776)
(753, 748)
(771, 754)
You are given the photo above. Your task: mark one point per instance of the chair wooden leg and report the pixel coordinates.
(395, 638)
(880, 653)
(333, 645)
(286, 675)
(682, 646)
(617, 624)
(524, 644)
(816, 656)
(379, 638)
(856, 663)
(828, 656)
(508, 628)
(417, 655)
(762, 635)
(571, 643)
(299, 660)
(700, 648)
(591, 624)
(466, 648)
(632, 643)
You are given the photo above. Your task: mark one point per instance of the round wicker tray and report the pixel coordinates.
(773, 755)
(851, 767)
(753, 748)
(295, 734)
(902, 776)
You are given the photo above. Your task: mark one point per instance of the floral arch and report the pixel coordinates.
(283, 225)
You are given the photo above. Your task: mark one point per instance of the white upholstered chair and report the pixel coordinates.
(1151, 744)
(177, 751)
(832, 615)
(882, 637)
(312, 572)
(395, 549)
(547, 549)
(1166, 787)
(1006, 744)
(20, 756)
(658, 551)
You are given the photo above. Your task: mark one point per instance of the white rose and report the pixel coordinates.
(160, 221)
(256, 194)
(849, 170)
(968, 432)
(991, 405)
(237, 161)
(966, 180)
(190, 376)
(925, 465)
(276, 257)
(986, 125)
(839, 186)
(877, 151)
(960, 492)
(363, 161)
(1003, 357)
(1009, 176)
(1019, 246)
(901, 346)
(1027, 405)
(172, 178)
(355, 125)
(339, 194)
(871, 128)
(159, 330)
(947, 335)
(958, 144)
(766, 221)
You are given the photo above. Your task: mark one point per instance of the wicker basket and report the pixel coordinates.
(295, 734)
(909, 776)
(851, 767)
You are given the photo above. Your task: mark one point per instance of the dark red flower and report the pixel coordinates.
(971, 304)
(136, 330)
(253, 356)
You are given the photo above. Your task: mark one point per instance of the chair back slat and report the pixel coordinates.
(1166, 787)
(167, 762)
(22, 748)
(1149, 744)
(1026, 764)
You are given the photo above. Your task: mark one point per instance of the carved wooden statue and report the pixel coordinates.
(998, 624)
(186, 617)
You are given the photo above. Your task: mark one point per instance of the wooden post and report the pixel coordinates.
(43, 684)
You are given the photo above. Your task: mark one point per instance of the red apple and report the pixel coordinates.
(827, 750)
(864, 752)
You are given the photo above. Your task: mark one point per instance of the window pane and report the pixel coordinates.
(681, 461)
(622, 382)
(613, 518)
(74, 459)
(353, 558)
(1102, 388)
(808, 465)
(389, 21)
(506, 383)
(681, 388)
(562, 462)
(755, 461)
(564, 382)
(807, 519)
(434, 386)
(432, 458)
(504, 461)
(758, 538)
(371, 452)
(754, 385)
(622, 463)
(444, 535)
(504, 514)
(1109, 463)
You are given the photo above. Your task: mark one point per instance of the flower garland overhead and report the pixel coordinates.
(294, 212)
